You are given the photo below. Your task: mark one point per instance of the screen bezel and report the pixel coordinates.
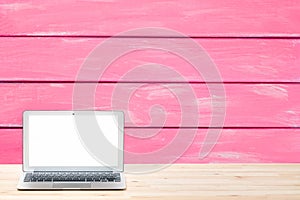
(119, 167)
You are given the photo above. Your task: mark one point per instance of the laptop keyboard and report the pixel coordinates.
(72, 176)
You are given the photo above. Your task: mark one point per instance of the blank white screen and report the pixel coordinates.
(54, 141)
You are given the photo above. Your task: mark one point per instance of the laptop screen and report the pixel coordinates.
(56, 141)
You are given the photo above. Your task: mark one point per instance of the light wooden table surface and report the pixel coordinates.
(181, 181)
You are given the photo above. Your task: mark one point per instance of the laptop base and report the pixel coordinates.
(71, 185)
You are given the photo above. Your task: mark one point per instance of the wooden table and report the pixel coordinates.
(181, 181)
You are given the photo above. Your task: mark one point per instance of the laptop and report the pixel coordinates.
(72, 150)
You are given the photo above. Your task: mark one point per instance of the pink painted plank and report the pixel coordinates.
(196, 18)
(234, 146)
(10, 146)
(247, 105)
(58, 59)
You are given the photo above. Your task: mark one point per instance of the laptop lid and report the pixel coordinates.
(73, 140)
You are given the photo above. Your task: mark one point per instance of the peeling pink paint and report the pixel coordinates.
(245, 108)
(246, 59)
(238, 146)
(249, 60)
(196, 18)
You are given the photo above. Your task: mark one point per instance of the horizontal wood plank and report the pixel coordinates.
(233, 146)
(238, 60)
(162, 105)
(180, 181)
(195, 18)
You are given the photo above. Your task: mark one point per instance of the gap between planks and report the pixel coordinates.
(150, 82)
(285, 37)
(182, 127)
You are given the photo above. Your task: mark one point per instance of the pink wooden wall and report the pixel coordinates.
(255, 45)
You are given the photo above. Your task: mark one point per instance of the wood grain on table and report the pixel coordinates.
(180, 181)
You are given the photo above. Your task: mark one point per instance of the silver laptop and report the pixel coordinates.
(72, 150)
